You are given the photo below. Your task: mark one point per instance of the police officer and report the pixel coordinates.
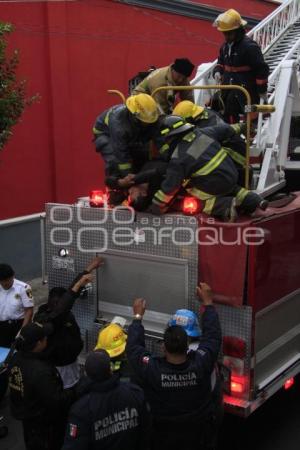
(109, 414)
(36, 392)
(176, 74)
(203, 167)
(204, 117)
(16, 305)
(122, 134)
(65, 342)
(188, 320)
(178, 385)
(240, 62)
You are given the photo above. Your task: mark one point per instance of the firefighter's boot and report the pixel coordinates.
(249, 201)
(223, 208)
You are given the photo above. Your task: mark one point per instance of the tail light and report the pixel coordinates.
(234, 354)
(97, 199)
(289, 383)
(190, 205)
(238, 384)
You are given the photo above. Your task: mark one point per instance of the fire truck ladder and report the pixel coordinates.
(279, 37)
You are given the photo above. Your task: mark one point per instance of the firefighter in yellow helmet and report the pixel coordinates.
(112, 338)
(176, 74)
(122, 135)
(240, 62)
(202, 118)
(202, 166)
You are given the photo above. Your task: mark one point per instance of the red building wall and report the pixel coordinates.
(71, 54)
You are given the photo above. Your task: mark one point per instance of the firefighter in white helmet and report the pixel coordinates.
(240, 62)
(122, 134)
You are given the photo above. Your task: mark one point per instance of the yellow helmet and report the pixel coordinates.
(229, 20)
(112, 339)
(187, 109)
(143, 107)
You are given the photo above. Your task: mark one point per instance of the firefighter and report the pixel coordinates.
(65, 342)
(176, 74)
(177, 385)
(188, 320)
(203, 167)
(204, 117)
(37, 396)
(122, 134)
(240, 62)
(112, 339)
(16, 305)
(109, 414)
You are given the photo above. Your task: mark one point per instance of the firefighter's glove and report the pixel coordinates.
(239, 128)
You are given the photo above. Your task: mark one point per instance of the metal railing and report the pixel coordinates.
(266, 33)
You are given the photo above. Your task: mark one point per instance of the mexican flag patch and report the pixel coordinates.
(73, 430)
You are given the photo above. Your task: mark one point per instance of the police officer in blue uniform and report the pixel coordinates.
(110, 414)
(178, 385)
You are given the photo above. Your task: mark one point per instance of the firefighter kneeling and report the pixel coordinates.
(204, 168)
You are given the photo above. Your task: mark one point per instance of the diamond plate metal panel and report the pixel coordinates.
(121, 232)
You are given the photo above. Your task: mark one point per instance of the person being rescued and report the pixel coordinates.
(202, 166)
(240, 62)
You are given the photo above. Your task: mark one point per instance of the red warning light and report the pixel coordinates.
(289, 383)
(190, 205)
(237, 384)
(97, 198)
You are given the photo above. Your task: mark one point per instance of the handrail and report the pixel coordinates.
(248, 113)
(21, 219)
(119, 93)
(276, 22)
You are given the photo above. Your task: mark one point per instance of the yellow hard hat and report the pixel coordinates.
(143, 107)
(112, 339)
(229, 20)
(187, 109)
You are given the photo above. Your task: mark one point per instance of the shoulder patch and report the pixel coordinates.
(29, 293)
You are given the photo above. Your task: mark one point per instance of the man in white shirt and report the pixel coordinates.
(16, 305)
